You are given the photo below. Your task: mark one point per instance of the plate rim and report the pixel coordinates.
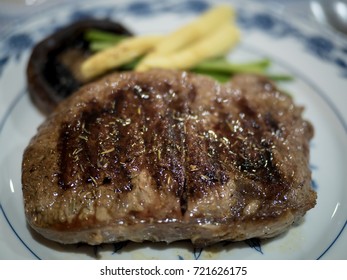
(19, 96)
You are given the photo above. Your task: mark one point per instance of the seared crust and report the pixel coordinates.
(169, 155)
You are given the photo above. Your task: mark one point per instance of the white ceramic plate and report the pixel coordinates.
(317, 60)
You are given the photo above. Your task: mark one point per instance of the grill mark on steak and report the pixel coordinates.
(96, 145)
(164, 132)
(252, 135)
(138, 127)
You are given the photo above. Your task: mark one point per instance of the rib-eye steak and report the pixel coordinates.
(169, 155)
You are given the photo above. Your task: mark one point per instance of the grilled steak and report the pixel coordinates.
(166, 156)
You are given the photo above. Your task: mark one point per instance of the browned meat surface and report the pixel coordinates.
(166, 156)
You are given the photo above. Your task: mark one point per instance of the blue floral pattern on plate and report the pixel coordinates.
(322, 47)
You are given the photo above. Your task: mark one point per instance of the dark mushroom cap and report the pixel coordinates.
(49, 79)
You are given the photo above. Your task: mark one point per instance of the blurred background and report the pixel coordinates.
(329, 13)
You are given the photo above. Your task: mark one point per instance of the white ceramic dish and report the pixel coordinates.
(318, 61)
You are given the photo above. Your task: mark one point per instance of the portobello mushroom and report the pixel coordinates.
(53, 67)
